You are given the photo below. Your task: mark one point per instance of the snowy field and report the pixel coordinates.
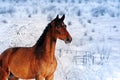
(94, 53)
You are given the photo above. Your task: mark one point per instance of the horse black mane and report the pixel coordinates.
(43, 36)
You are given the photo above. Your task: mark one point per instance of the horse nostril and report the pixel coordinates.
(68, 40)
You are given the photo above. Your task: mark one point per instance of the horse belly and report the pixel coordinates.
(20, 68)
(21, 72)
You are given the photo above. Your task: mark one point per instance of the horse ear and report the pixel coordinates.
(63, 17)
(57, 17)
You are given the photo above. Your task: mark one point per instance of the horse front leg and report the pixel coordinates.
(50, 77)
(13, 78)
(39, 77)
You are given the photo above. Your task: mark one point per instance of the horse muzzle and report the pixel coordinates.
(68, 40)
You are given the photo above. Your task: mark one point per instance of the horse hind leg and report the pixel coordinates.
(12, 77)
(3, 74)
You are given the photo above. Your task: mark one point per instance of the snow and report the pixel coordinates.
(94, 53)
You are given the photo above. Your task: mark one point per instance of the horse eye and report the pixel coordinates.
(63, 24)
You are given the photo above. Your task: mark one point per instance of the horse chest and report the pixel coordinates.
(47, 68)
(51, 67)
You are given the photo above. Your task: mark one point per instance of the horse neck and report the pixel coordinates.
(47, 49)
(50, 44)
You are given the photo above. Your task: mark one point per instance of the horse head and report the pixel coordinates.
(60, 29)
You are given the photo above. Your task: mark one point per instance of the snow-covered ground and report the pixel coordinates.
(94, 53)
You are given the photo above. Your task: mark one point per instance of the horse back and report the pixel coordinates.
(8, 55)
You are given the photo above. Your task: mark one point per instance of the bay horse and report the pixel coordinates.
(39, 61)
